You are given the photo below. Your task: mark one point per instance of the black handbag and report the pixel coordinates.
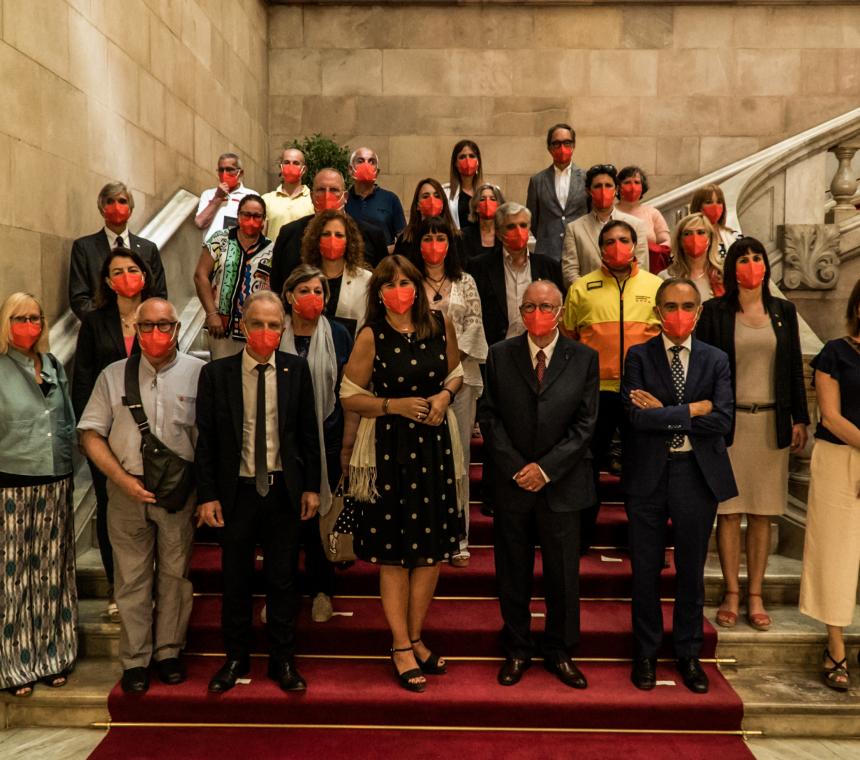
(165, 473)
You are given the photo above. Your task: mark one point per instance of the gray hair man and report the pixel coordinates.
(370, 203)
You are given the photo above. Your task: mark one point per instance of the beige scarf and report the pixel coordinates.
(362, 464)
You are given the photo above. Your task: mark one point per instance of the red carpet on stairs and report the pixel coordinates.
(353, 707)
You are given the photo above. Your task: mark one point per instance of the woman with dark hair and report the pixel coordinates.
(466, 174)
(710, 201)
(326, 345)
(760, 334)
(233, 264)
(632, 185)
(38, 599)
(831, 553)
(480, 238)
(427, 201)
(695, 255)
(333, 244)
(454, 293)
(107, 335)
(406, 462)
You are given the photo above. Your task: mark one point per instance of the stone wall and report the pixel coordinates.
(679, 89)
(144, 91)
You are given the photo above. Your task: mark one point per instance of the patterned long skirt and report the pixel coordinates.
(38, 598)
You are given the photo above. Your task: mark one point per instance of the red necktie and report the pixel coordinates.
(540, 367)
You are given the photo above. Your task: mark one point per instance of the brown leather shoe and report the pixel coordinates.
(512, 671)
(566, 672)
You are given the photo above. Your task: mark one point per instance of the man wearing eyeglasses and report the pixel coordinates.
(556, 195)
(292, 199)
(219, 206)
(151, 546)
(328, 192)
(538, 414)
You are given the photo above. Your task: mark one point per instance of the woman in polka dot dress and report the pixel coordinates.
(405, 353)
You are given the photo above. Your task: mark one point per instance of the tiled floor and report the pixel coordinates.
(77, 743)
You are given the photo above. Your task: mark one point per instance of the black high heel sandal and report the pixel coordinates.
(431, 665)
(839, 670)
(404, 679)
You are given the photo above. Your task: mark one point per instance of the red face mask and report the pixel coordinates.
(262, 342)
(332, 248)
(430, 206)
(308, 306)
(434, 251)
(250, 227)
(617, 255)
(631, 192)
(516, 239)
(291, 173)
(713, 211)
(750, 275)
(696, 245)
(365, 172)
(540, 324)
(561, 154)
(679, 324)
(328, 201)
(116, 213)
(399, 299)
(468, 167)
(156, 343)
(231, 180)
(127, 284)
(487, 208)
(24, 336)
(602, 197)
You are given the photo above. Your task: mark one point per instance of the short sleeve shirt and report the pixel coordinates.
(227, 214)
(840, 359)
(381, 207)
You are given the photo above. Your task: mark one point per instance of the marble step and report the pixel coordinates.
(80, 703)
(792, 701)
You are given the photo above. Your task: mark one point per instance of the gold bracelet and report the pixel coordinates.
(385, 405)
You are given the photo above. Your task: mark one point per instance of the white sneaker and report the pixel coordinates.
(321, 611)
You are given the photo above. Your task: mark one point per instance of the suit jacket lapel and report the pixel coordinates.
(549, 182)
(523, 360)
(694, 370)
(235, 396)
(661, 362)
(560, 358)
(497, 280)
(115, 332)
(282, 381)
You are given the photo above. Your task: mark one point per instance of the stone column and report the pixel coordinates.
(844, 184)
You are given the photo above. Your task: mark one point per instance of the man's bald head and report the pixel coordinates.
(542, 291)
(329, 179)
(156, 310)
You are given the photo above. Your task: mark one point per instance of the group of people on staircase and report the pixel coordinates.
(352, 344)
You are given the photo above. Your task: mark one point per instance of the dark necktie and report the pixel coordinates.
(119, 242)
(678, 382)
(261, 459)
(540, 367)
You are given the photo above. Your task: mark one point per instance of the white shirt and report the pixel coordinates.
(249, 415)
(562, 184)
(547, 351)
(516, 282)
(112, 236)
(228, 212)
(684, 356)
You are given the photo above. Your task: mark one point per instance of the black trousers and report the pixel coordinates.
(514, 549)
(610, 418)
(271, 521)
(684, 497)
(319, 572)
(105, 549)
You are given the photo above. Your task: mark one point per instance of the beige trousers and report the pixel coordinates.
(152, 549)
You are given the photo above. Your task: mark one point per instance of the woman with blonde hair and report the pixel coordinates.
(695, 255)
(38, 600)
(333, 244)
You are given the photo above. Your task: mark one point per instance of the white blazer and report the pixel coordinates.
(352, 303)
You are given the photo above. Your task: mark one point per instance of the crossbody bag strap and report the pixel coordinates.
(132, 394)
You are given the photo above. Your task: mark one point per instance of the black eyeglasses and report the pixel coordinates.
(24, 320)
(231, 170)
(544, 308)
(561, 143)
(603, 169)
(163, 326)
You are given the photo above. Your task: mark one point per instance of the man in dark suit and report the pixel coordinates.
(115, 204)
(677, 393)
(538, 413)
(556, 195)
(328, 192)
(258, 476)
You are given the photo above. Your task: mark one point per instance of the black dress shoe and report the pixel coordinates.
(170, 671)
(512, 671)
(225, 678)
(694, 678)
(566, 671)
(487, 510)
(286, 676)
(135, 680)
(644, 673)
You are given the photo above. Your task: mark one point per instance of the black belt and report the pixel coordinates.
(253, 481)
(680, 454)
(753, 408)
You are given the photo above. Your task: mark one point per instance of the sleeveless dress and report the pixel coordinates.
(415, 521)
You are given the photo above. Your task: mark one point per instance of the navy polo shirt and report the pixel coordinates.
(381, 207)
